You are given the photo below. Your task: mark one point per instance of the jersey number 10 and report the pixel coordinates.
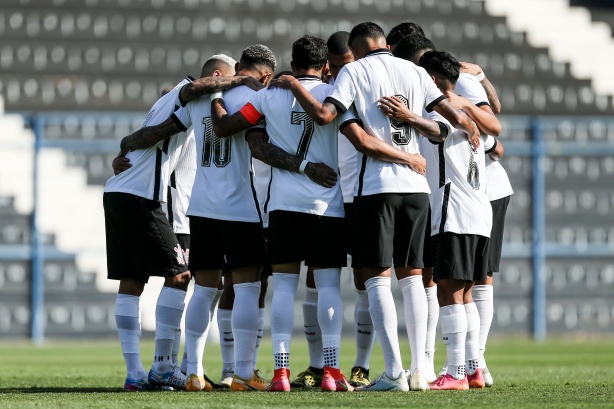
(219, 148)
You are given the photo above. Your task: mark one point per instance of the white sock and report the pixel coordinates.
(197, 323)
(169, 310)
(453, 320)
(431, 327)
(261, 315)
(245, 327)
(216, 301)
(472, 342)
(313, 334)
(483, 298)
(330, 313)
(363, 328)
(416, 317)
(227, 339)
(282, 316)
(384, 316)
(176, 347)
(128, 322)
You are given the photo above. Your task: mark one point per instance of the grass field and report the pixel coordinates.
(553, 374)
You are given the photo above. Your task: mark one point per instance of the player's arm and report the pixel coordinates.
(483, 115)
(459, 120)
(373, 147)
(225, 125)
(395, 109)
(321, 113)
(208, 85)
(151, 135)
(120, 163)
(491, 93)
(262, 149)
(493, 147)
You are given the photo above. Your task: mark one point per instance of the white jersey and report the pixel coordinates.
(363, 83)
(292, 129)
(223, 187)
(455, 173)
(262, 179)
(497, 182)
(348, 164)
(180, 187)
(152, 167)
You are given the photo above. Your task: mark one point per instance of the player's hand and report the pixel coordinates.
(120, 164)
(283, 82)
(474, 138)
(456, 100)
(321, 174)
(252, 83)
(394, 109)
(470, 68)
(417, 163)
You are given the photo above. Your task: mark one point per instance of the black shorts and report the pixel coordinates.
(219, 242)
(140, 240)
(459, 257)
(349, 225)
(267, 271)
(295, 236)
(389, 228)
(499, 209)
(428, 247)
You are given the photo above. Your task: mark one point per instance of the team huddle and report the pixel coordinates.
(375, 146)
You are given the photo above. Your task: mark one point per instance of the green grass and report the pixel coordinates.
(553, 374)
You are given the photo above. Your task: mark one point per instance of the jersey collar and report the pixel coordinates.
(379, 51)
(308, 77)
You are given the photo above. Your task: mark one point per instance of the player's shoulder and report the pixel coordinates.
(467, 81)
(239, 93)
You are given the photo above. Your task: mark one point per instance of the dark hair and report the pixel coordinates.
(401, 31)
(366, 30)
(258, 54)
(338, 43)
(442, 63)
(411, 44)
(279, 74)
(309, 52)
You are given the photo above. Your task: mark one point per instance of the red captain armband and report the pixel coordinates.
(251, 114)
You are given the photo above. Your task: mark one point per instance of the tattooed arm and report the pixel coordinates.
(274, 156)
(225, 125)
(321, 113)
(150, 135)
(208, 85)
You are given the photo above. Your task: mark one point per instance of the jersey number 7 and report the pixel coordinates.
(297, 119)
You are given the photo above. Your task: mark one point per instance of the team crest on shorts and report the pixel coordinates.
(181, 259)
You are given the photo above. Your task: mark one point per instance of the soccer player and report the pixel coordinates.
(225, 224)
(461, 224)
(388, 197)
(141, 242)
(400, 31)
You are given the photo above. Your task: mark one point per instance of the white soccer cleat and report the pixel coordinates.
(227, 375)
(385, 384)
(418, 382)
(487, 377)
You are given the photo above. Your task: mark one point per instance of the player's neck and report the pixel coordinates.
(309, 71)
(249, 73)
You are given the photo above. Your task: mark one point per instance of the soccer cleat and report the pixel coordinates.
(476, 381)
(385, 384)
(360, 377)
(256, 383)
(449, 383)
(487, 377)
(135, 385)
(171, 380)
(417, 382)
(443, 370)
(280, 382)
(309, 378)
(227, 375)
(333, 380)
(196, 383)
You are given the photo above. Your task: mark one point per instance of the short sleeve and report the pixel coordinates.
(344, 92)
(435, 116)
(182, 117)
(348, 117)
(469, 87)
(490, 143)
